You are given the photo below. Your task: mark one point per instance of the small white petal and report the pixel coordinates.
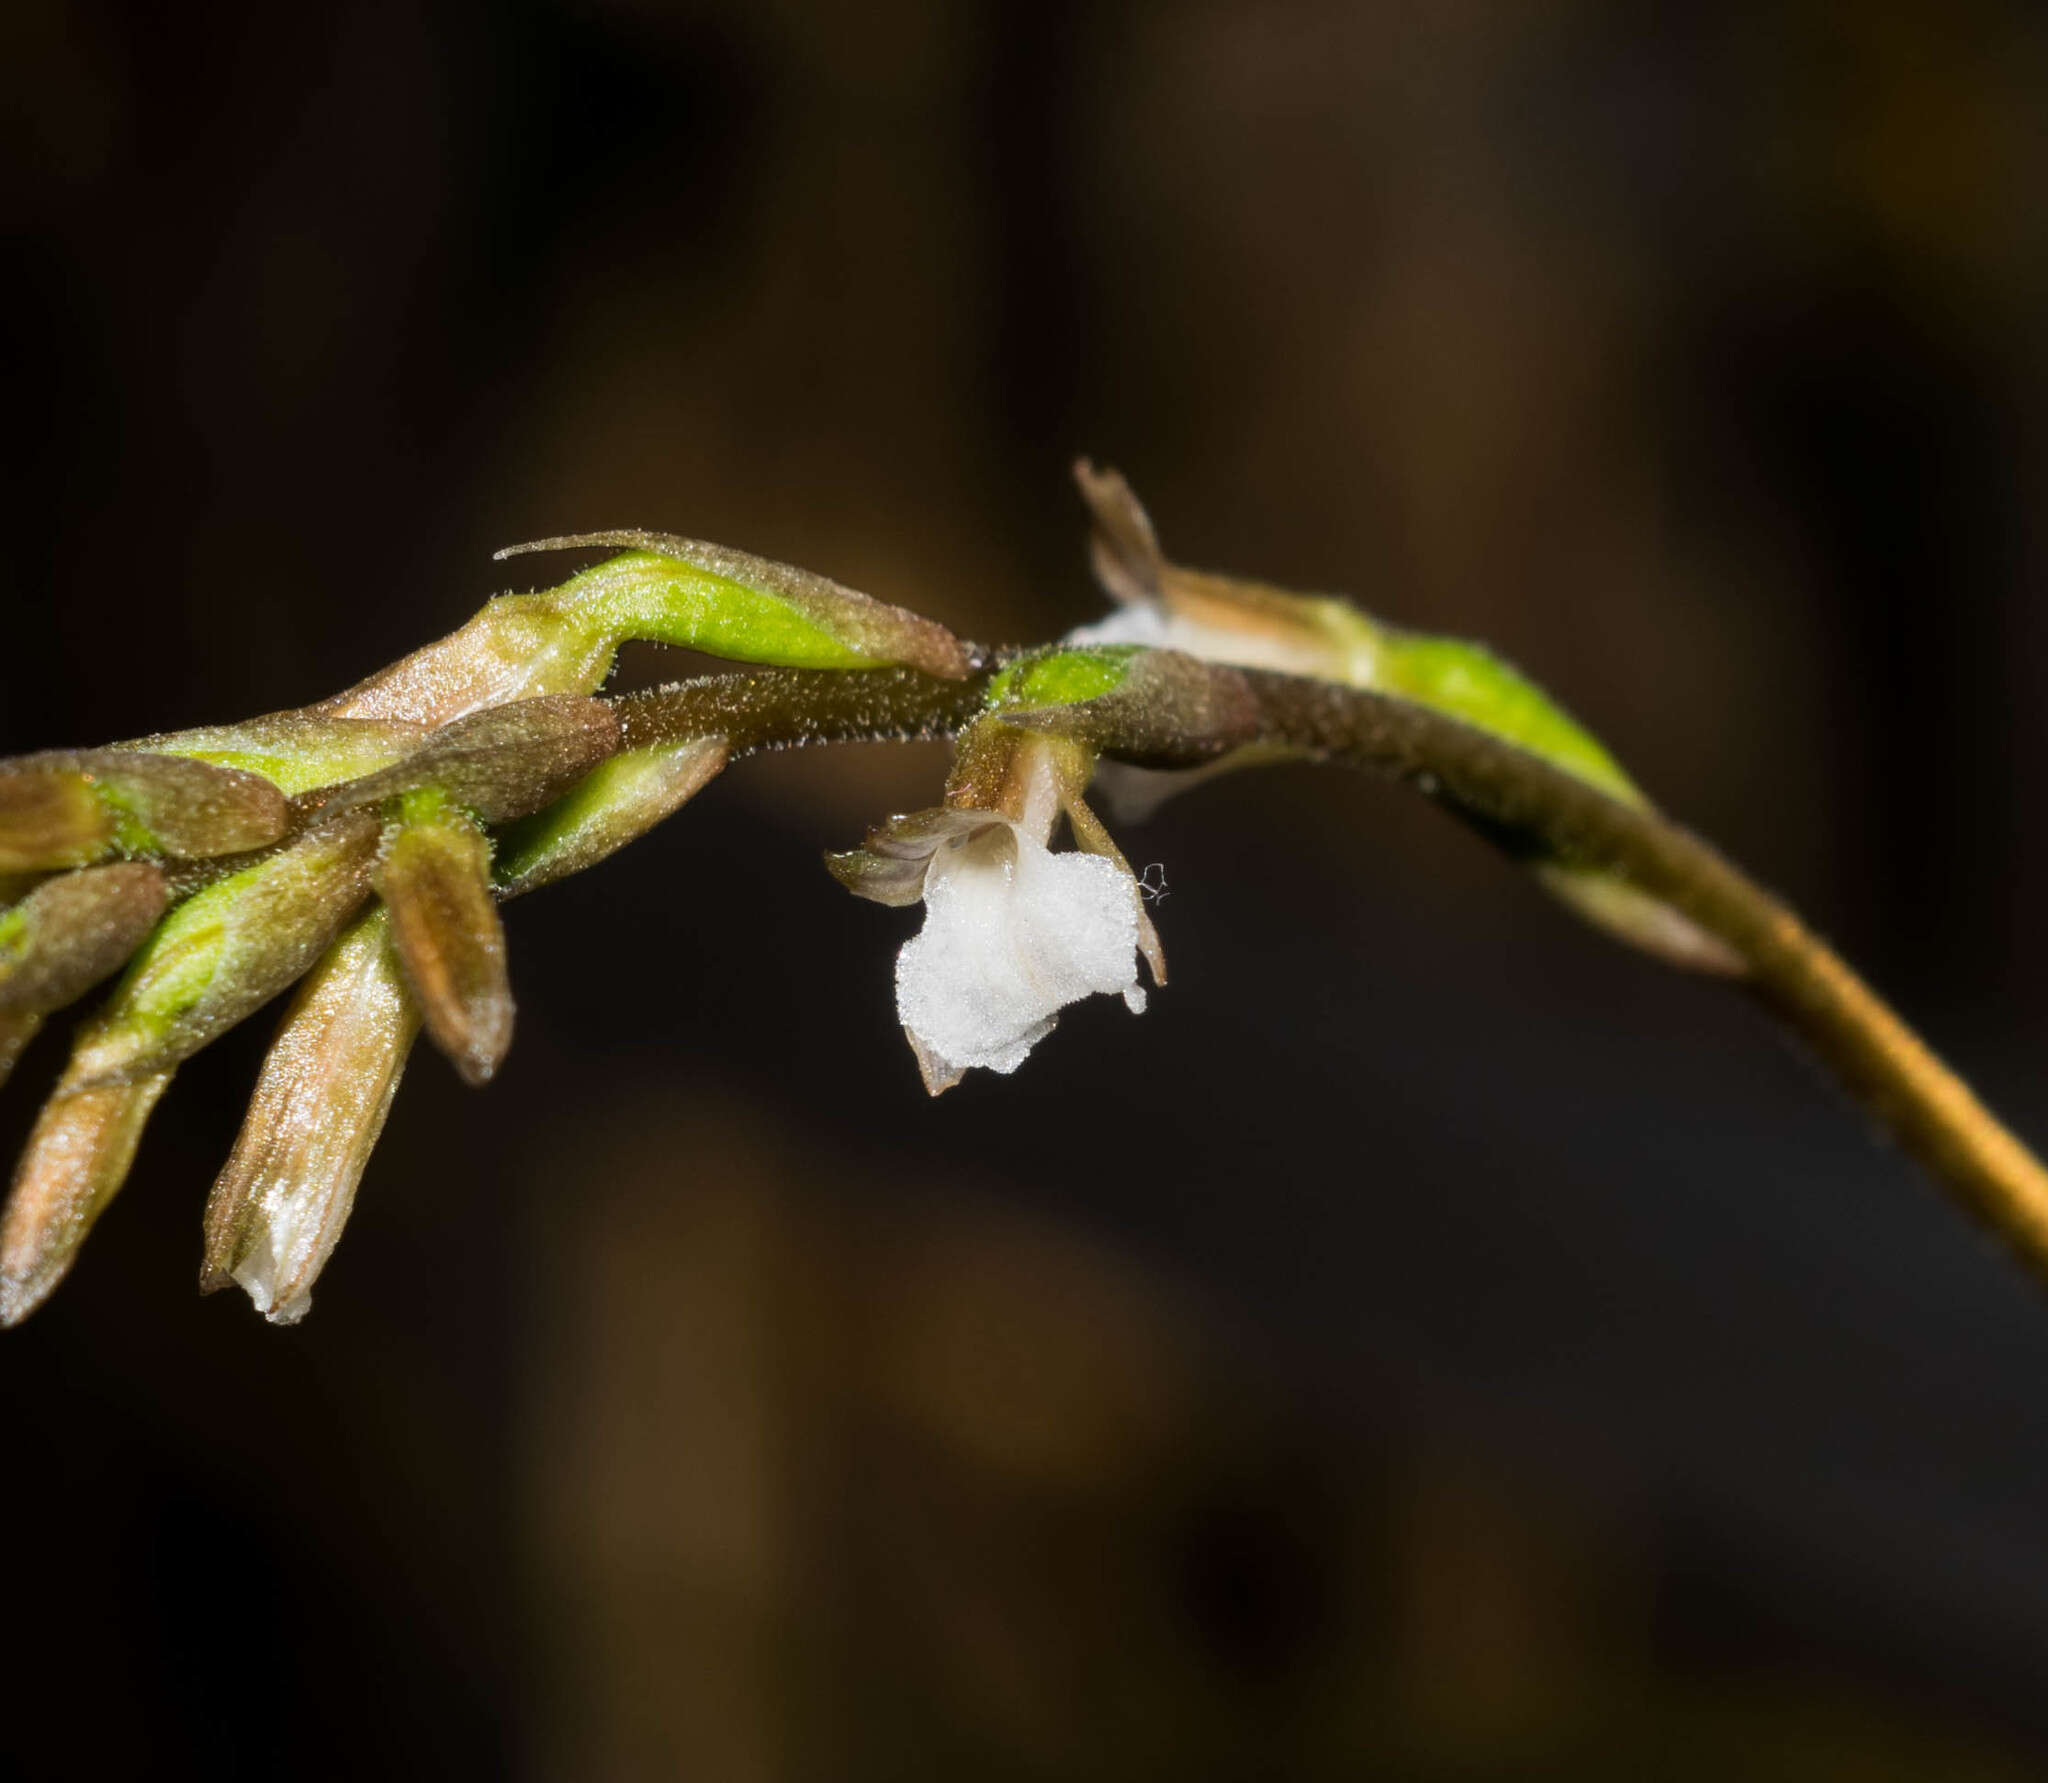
(1142, 622)
(1287, 649)
(1013, 933)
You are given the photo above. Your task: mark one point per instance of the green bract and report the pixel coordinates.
(1468, 681)
(663, 601)
(623, 799)
(664, 590)
(1061, 677)
(297, 751)
(226, 951)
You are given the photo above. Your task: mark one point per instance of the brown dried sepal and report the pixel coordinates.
(435, 879)
(1091, 836)
(889, 866)
(1302, 634)
(1123, 547)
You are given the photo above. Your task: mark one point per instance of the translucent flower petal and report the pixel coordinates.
(1013, 933)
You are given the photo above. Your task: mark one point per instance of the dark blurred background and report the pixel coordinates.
(1429, 1343)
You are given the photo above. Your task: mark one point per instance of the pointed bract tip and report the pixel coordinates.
(939, 1075)
(75, 1162)
(1123, 547)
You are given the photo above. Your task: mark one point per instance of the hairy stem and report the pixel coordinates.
(1515, 798)
(789, 708)
(1528, 806)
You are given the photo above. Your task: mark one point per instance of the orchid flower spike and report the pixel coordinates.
(1013, 932)
(360, 850)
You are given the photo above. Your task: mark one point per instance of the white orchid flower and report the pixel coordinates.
(1013, 932)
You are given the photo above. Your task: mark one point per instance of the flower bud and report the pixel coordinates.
(500, 763)
(278, 1207)
(69, 808)
(226, 951)
(435, 879)
(73, 931)
(76, 1160)
(622, 800)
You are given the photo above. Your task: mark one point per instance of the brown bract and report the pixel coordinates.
(64, 808)
(50, 817)
(75, 931)
(502, 763)
(327, 1084)
(435, 880)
